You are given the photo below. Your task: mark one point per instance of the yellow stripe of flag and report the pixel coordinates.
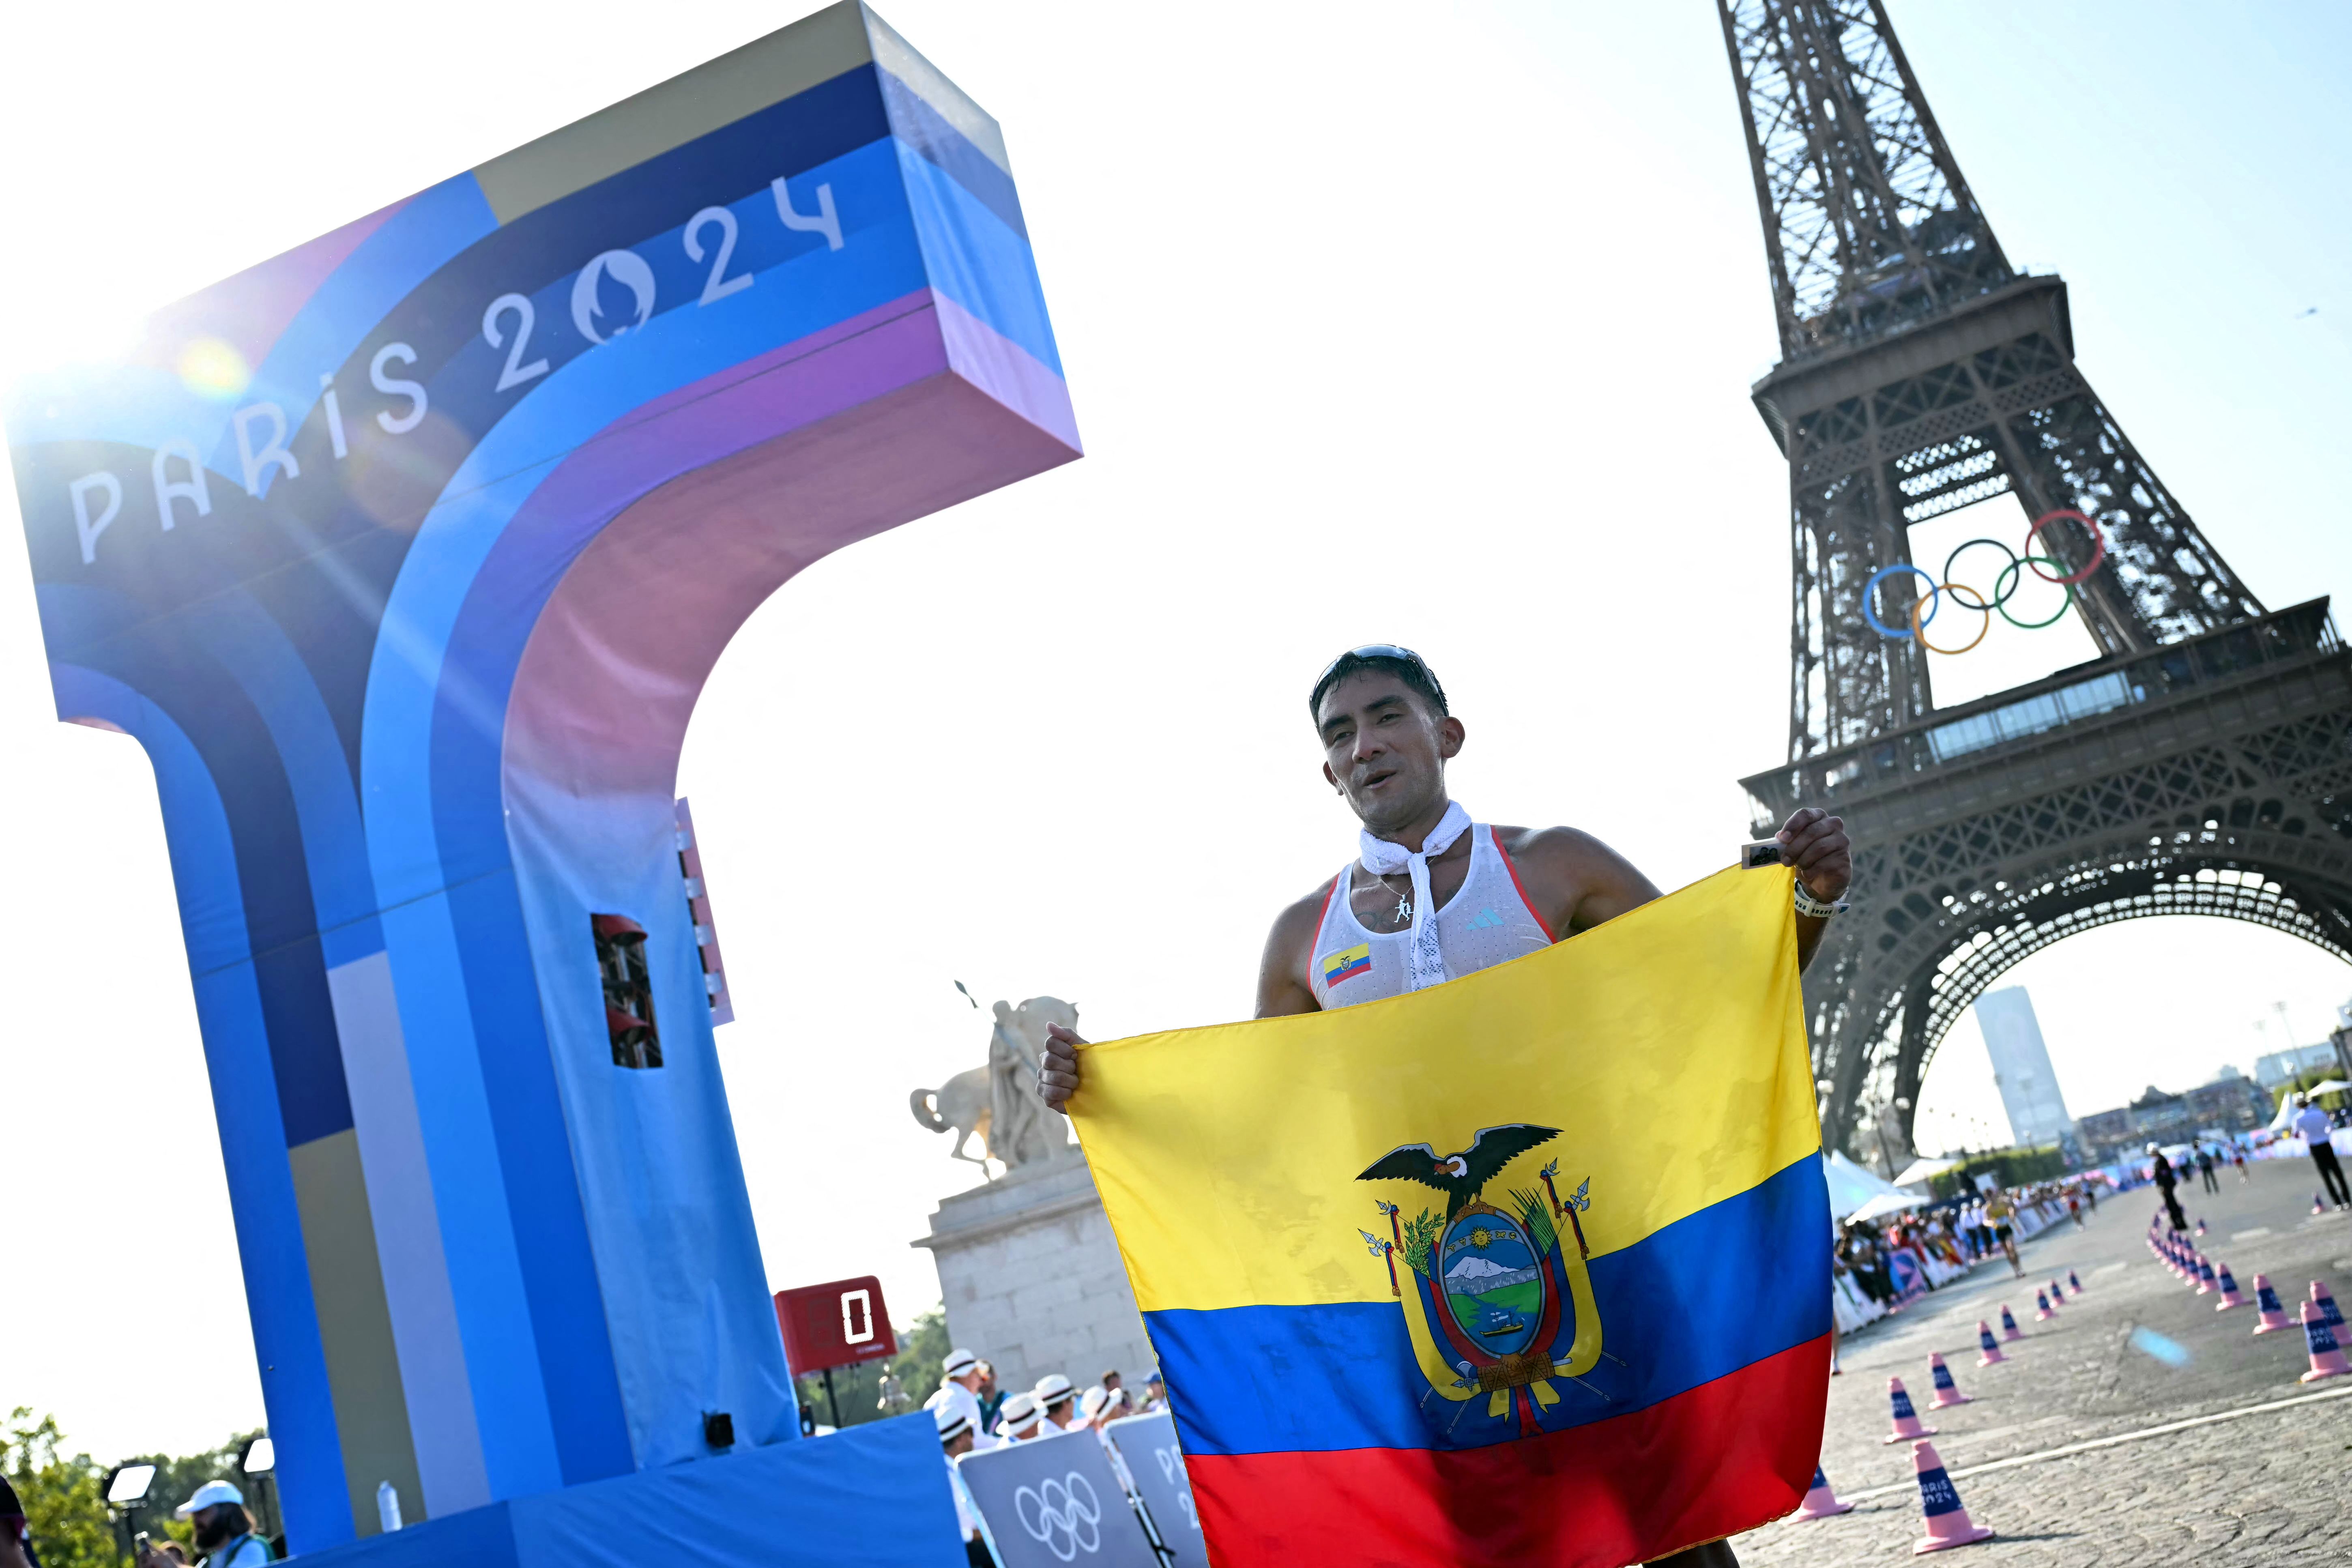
(1668, 1045)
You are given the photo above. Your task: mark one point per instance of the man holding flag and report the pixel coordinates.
(1434, 895)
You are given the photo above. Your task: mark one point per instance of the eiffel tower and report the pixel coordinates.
(2201, 764)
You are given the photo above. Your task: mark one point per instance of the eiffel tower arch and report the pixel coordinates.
(2201, 764)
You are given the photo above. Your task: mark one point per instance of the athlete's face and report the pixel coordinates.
(1385, 750)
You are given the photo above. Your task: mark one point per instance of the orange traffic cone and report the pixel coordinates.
(1820, 1501)
(2229, 1296)
(1948, 1393)
(2317, 1206)
(2204, 1275)
(1990, 1346)
(1948, 1523)
(2041, 1313)
(2072, 1283)
(2057, 1294)
(1907, 1420)
(2326, 1360)
(2009, 1329)
(2200, 1225)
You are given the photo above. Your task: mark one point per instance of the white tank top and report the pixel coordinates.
(1488, 920)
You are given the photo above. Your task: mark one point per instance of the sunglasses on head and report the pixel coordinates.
(1376, 650)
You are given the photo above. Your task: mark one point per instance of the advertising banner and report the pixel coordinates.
(1147, 1447)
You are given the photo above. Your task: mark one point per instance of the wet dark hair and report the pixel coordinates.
(1388, 659)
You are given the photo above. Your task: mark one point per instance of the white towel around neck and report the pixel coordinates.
(1382, 859)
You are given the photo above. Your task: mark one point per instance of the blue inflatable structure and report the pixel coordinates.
(405, 557)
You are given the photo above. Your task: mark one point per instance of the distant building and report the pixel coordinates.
(2105, 1131)
(2161, 1118)
(2232, 1104)
(2275, 1069)
(2020, 1066)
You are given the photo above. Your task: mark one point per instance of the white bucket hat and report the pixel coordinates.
(209, 1495)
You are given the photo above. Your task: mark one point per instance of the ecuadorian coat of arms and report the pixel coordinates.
(1497, 1299)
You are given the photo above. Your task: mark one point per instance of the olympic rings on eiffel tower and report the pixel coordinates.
(1870, 592)
(2011, 578)
(1956, 590)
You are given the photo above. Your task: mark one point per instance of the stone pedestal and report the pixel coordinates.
(1033, 1281)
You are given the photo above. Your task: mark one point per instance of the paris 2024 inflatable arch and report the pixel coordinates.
(405, 557)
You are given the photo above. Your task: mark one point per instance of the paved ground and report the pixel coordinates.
(2266, 1488)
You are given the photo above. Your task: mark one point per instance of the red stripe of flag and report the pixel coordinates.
(1720, 1459)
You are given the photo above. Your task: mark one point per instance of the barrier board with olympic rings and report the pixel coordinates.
(1053, 1502)
(1155, 1462)
(2004, 587)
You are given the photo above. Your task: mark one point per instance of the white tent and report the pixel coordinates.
(1920, 1170)
(1851, 1186)
(1886, 1204)
(2288, 1110)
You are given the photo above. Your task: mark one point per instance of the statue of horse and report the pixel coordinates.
(999, 1102)
(960, 1106)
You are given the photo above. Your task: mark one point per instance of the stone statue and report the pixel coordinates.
(999, 1102)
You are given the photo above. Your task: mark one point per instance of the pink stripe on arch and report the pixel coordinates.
(785, 468)
(888, 313)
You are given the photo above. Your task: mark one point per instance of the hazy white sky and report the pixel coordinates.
(1385, 322)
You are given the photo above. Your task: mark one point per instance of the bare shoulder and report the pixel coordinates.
(1295, 926)
(1560, 846)
(1574, 878)
(1282, 983)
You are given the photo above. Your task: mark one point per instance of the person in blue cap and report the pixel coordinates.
(223, 1530)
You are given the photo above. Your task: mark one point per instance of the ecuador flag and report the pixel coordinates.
(1530, 1268)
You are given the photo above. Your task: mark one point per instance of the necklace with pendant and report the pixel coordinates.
(1403, 911)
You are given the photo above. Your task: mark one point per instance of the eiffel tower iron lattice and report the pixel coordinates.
(2202, 765)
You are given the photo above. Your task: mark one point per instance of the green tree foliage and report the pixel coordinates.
(922, 1351)
(65, 1505)
(857, 1390)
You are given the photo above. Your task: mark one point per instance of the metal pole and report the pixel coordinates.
(829, 1401)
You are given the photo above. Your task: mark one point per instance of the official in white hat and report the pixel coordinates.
(223, 1530)
(955, 1430)
(957, 1439)
(959, 1392)
(1022, 1419)
(1058, 1398)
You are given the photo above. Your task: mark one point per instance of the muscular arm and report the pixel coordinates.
(1282, 985)
(1576, 882)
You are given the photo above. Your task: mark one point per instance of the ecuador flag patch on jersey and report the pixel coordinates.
(1355, 961)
